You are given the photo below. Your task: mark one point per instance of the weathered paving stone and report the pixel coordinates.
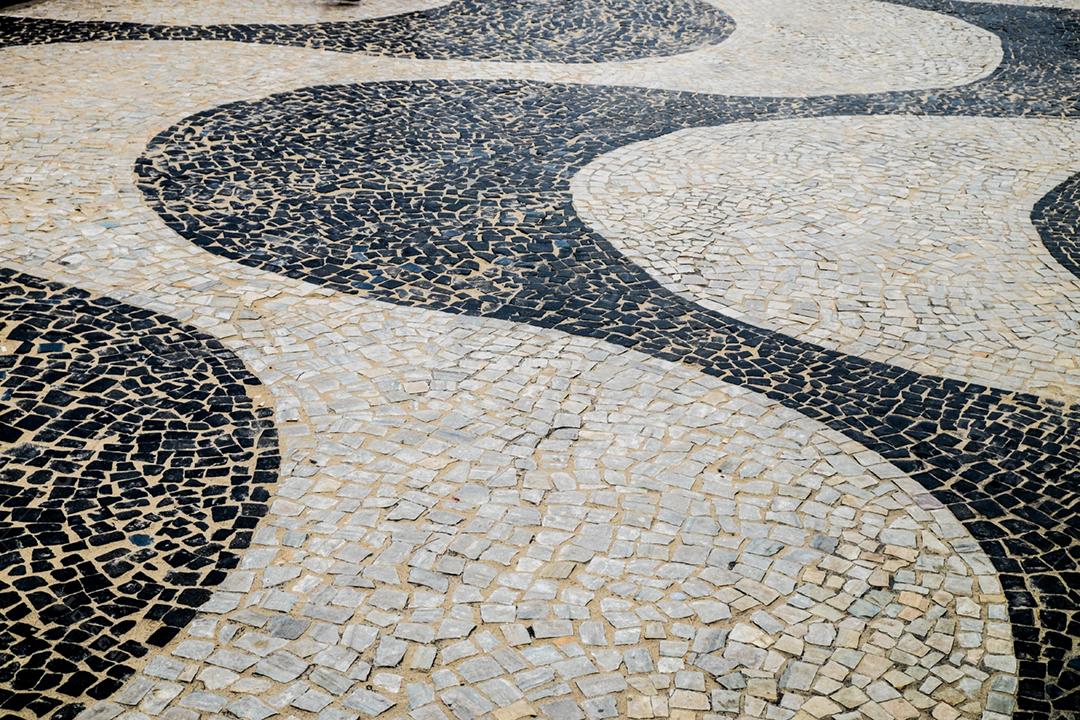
(368, 703)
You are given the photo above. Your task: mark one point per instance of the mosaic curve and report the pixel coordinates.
(213, 12)
(1064, 4)
(110, 534)
(1038, 73)
(1057, 218)
(488, 229)
(821, 47)
(571, 31)
(781, 47)
(889, 238)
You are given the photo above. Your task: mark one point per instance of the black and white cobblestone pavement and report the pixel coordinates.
(447, 359)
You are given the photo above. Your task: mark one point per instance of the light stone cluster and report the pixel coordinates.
(520, 520)
(820, 47)
(905, 240)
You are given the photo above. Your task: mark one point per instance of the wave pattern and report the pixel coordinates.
(572, 31)
(454, 196)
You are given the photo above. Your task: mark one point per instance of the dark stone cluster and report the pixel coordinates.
(1057, 218)
(133, 465)
(571, 31)
(1039, 72)
(455, 196)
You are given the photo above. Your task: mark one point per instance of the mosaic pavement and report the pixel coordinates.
(447, 359)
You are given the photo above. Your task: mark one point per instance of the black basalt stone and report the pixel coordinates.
(75, 484)
(1057, 218)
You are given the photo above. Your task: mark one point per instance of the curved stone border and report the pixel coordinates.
(583, 31)
(134, 468)
(213, 12)
(1057, 218)
(1063, 4)
(1037, 72)
(779, 47)
(899, 239)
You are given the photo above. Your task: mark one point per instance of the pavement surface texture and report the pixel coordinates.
(559, 359)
